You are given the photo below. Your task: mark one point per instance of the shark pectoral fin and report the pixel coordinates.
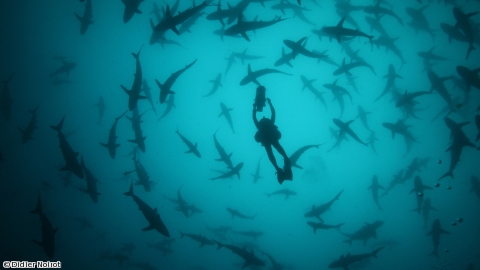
(38, 243)
(78, 16)
(138, 11)
(174, 29)
(171, 92)
(117, 145)
(125, 89)
(64, 168)
(189, 151)
(244, 35)
(149, 228)
(104, 145)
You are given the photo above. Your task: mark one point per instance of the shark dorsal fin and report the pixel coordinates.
(340, 23)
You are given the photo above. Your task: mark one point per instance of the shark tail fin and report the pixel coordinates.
(374, 253)
(59, 126)
(449, 173)
(137, 55)
(78, 16)
(38, 208)
(130, 191)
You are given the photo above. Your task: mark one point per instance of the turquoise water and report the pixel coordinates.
(36, 34)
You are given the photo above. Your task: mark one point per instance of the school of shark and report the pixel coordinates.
(375, 166)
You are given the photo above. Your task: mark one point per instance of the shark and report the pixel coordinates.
(397, 179)
(470, 76)
(146, 90)
(216, 84)
(345, 260)
(375, 187)
(166, 87)
(323, 226)
(32, 125)
(257, 176)
(152, 216)
(419, 21)
(426, 208)
(391, 76)
(143, 177)
(284, 191)
(244, 56)
(137, 129)
(297, 154)
(438, 85)
(345, 128)
(338, 93)
(249, 257)
(223, 154)
(226, 112)
(297, 48)
(459, 141)
(101, 108)
(243, 26)
(379, 11)
(236, 213)
(112, 144)
(345, 68)
(170, 105)
(436, 232)
(91, 183)
(363, 234)
(69, 155)
(199, 238)
(284, 59)
(401, 128)
(463, 23)
(318, 211)
(419, 189)
(171, 21)
(192, 147)
(134, 93)
(251, 233)
(339, 31)
(86, 19)
(308, 84)
(234, 171)
(362, 114)
(48, 232)
(253, 75)
(65, 68)
(131, 8)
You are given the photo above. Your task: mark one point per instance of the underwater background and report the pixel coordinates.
(37, 37)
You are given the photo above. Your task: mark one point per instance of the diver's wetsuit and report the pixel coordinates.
(268, 135)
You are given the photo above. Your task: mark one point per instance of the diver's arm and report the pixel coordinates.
(254, 116)
(273, 111)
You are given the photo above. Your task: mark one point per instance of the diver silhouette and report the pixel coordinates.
(268, 135)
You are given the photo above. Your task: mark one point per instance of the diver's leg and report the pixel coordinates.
(280, 173)
(287, 168)
(280, 150)
(271, 157)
